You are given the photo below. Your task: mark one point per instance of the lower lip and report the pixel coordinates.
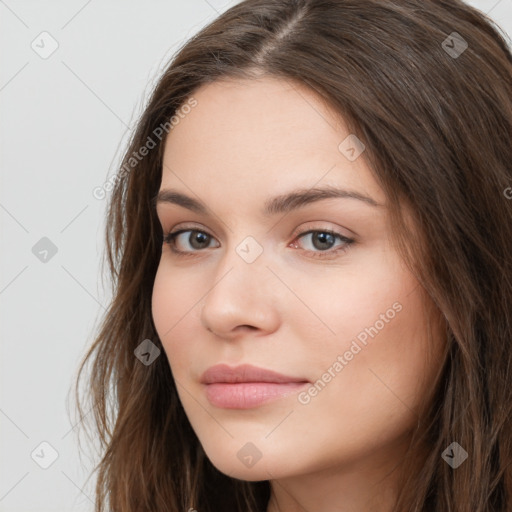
(246, 395)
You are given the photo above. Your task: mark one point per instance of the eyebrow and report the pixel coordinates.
(280, 204)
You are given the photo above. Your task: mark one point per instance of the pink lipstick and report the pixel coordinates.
(247, 386)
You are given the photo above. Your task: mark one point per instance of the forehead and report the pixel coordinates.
(251, 135)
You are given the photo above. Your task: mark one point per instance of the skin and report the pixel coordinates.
(289, 311)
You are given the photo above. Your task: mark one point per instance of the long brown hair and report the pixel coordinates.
(427, 86)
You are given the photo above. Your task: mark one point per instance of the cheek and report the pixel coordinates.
(376, 367)
(172, 310)
(364, 301)
(376, 345)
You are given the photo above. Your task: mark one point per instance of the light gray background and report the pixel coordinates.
(64, 121)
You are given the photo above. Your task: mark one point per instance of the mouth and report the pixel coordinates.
(247, 386)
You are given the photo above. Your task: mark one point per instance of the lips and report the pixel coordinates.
(247, 386)
(245, 373)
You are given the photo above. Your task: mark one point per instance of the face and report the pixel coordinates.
(310, 288)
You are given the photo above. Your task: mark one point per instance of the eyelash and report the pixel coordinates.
(170, 239)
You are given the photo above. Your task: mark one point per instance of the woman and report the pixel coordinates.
(311, 246)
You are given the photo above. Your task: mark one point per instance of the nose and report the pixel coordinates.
(243, 297)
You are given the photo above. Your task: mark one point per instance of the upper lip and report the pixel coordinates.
(244, 373)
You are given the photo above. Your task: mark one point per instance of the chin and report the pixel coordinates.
(231, 464)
